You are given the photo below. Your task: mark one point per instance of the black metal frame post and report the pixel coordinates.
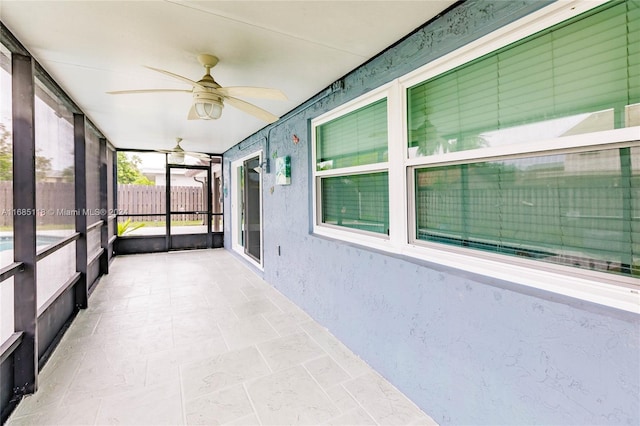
(209, 196)
(114, 184)
(81, 288)
(24, 224)
(104, 208)
(167, 198)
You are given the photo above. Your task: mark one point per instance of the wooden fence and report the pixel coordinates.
(55, 203)
(141, 199)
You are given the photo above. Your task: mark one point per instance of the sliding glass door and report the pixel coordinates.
(247, 207)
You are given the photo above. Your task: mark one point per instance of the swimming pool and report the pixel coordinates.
(6, 242)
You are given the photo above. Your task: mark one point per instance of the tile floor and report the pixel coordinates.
(197, 338)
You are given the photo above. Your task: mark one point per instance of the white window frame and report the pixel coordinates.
(598, 287)
(236, 204)
(396, 222)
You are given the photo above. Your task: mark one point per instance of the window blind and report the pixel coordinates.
(576, 77)
(357, 201)
(355, 139)
(577, 209)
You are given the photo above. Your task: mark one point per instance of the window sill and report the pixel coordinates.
(614, 292)
(542, 277)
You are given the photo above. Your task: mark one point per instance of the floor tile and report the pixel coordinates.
(341, 398)
(338, 351)
(215, 373)
(247, 332)
(253, 307)
(232, 294)
(250, 420)
(286, 322)
(384, 402)
(219, 407)
(164, 366)
(85, 324)
(288, 351)
(290, 397)
(356, 417)
(190, 327)
(54, 381)
(97, 377)
(326, 371)
(149, 302)
(196, 337)
(77, 414)
(158, 405)
(188, 304)
(423, 420)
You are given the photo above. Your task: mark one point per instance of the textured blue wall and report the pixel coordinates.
(465, 348)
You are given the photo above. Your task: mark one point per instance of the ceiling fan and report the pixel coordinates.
(209, 97)
(177, 154)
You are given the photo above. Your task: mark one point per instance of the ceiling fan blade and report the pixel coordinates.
(198, 155)
(192, 114)
(253, 92)
(179, 77)
(251, 109)
(128, 92)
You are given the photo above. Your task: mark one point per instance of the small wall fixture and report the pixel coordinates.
(283, 170)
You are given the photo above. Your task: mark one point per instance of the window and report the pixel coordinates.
(351, 157)
(574, 205)
(571, 209)
(575, 78)
(516, 157)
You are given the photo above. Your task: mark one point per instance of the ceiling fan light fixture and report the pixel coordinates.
(207, 106)
(176, 158)
(208, 110)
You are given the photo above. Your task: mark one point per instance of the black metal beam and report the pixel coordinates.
(104, 208)
(180, 212)
(54, 297)
(10, 42)
(141, 214)
(95, 225)
(209, 196)
(114, 182)
(81, 289)
(57, 246)
(10, 345)
(95, 257)
(167, 197)
(188, 167)
(9, 271)
(24, 224)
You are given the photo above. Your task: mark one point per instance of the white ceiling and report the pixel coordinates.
(299, 47)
